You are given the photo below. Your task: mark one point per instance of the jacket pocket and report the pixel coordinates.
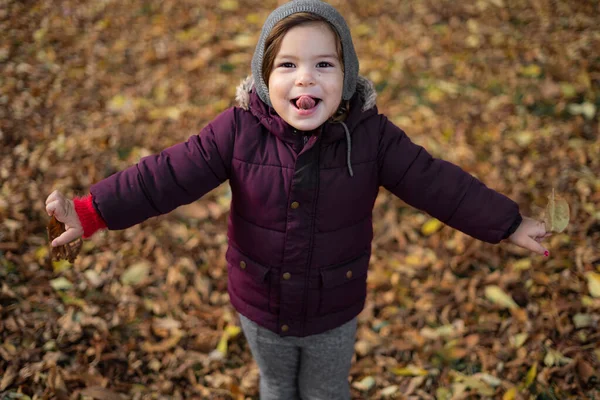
(248, 279)
(344, 285)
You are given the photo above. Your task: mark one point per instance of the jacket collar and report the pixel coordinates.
(363, 100)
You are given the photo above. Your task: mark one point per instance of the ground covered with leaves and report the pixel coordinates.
(508, 89)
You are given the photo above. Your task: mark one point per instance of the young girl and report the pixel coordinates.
(305, 153)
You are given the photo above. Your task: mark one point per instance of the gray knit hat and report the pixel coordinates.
(332, 16)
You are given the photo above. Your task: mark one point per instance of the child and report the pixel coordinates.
(305, 153)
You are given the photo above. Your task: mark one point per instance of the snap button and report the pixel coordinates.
(295, 205)
(349, 274)
(284, 328)
(243, 264)
(287, 276)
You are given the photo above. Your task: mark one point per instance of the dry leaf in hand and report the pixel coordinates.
(68, 251)
(557, 213)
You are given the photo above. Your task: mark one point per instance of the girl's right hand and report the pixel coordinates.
(64, 211)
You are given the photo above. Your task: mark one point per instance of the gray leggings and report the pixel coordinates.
(314, 367)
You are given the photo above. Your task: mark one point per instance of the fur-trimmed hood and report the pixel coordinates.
(364, 88)
(364, 97)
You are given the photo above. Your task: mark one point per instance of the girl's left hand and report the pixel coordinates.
(529, 235)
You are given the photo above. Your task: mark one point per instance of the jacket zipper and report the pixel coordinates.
(311, 240)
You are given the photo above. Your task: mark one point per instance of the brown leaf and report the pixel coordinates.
(586, 371)
(100, 393)
(163, 345)
(9, 377)
(68, 251)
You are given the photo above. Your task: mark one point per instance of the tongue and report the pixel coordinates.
(305, 102)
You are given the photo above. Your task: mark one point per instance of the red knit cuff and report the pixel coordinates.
(88, 216)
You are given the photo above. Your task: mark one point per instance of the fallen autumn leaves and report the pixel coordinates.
(506, 89)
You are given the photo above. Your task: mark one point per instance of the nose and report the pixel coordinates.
(305, 77)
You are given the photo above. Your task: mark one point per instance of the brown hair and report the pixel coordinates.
(273, 44)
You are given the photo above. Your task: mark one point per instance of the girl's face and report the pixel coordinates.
(306, 83)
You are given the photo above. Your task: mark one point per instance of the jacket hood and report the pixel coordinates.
(362, 106)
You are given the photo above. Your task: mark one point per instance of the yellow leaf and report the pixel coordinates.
(413, 260)
(587, 109)
(568, 90)
(531, 71)
(582, 320)
(497, 296)
(430, 227)
(410, 370)
(522, 264)
(435, 95)
(474, 383)
(233, 330)
(554, 357)
(244, 40)
(253, 18)
(229, 5)
(363, 30)
(376, 76)
(41, 253)
(230, 332)
(121, 104)
(593, 279)
(72, 301)
(473, 41)
(472, 25)
(510, 394)
(519, 339)
(173, 113)
(135, 273)
(222, 345)
(61, 265)
(39, 34)
(61, 283)
(365, 384)
(587, 301)
(557, 213)
(531, 374)
(443, 393)
(524, 138)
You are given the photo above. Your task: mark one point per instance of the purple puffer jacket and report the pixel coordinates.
(300, 226)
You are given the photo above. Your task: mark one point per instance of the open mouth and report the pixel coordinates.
(305, 102)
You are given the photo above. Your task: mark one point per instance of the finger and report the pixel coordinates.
(58, 209)
(67, 237)
(540, 238)
(536, 247)
(51, 207)
(52, 197)
(540, 229)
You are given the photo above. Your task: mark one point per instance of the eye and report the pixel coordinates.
(287, 65)
(324, 64)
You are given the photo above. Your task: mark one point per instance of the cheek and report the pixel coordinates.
(273, 89)
(339, 87)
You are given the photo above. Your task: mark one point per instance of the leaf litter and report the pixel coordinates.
(88, 89)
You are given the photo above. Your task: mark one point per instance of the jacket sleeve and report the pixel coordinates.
(441, 188)
(161, 182)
